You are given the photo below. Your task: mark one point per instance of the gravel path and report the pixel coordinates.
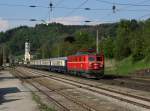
(13, 95)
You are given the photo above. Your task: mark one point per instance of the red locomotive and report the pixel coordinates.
(88, 65)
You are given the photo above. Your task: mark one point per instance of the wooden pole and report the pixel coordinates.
(97, 42)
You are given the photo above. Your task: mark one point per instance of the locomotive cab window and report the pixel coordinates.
(91, 59)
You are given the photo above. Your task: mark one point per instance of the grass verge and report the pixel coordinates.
(41, 105)
(126, 67)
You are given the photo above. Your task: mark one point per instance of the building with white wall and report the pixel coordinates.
(27, 55)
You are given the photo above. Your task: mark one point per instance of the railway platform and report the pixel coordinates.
(14, 96)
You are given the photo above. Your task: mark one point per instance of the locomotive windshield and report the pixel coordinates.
(91, 58)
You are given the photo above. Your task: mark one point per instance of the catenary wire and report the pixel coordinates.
(77, 8)
(129, 4)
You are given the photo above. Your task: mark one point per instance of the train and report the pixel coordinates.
(86, 65)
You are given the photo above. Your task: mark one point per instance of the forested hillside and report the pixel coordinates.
(117, 40)
(53, 40)
(132, 39)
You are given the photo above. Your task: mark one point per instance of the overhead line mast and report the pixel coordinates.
(50, 9)
(97, 42)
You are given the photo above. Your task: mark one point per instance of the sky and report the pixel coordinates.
(14, 13)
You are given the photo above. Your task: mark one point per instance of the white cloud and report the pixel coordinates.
(94, 23)
(4, 25)
(97, 22)
(73, 20)
(76, 20)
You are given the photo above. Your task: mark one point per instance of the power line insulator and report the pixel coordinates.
(87, 21)
(51, 6)
(33, 6)
(87, 8)
(33, 20)
(114, 8)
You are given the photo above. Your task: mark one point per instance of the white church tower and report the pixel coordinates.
(27, 52)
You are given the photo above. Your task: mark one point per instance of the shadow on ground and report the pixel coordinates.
(4, 91)
(3, 78)
(109, 76)
(15, 77)
(33, 77)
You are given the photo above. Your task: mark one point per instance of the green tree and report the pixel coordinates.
(136, 41)
(122, 48)
(146, 36)
(108, 47)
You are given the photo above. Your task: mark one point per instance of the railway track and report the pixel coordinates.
(133, 99)
(128, 82)
(142, 79)
(24, 77)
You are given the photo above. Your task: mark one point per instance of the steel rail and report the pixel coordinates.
(111, 90)
(85, 106)
(86, 86)
(19, 75)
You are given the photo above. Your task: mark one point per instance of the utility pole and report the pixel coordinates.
(51, 9)
(4, 58)
(97, 41)
(58, 51)
(1, 56)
